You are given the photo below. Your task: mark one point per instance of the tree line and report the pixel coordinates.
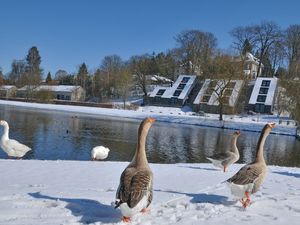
(195, 52)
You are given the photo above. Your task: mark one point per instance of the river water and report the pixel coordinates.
(69, 136)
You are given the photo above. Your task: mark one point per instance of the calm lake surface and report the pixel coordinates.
(69, 136)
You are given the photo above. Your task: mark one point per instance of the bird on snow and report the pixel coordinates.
(135, 192)
(250, 177)
(225, 159)
(99, 153)
(12, 147)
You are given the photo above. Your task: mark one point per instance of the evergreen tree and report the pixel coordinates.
(247, 47)
(82, 75)
(1, 77)
(33, 70)
(49, 78)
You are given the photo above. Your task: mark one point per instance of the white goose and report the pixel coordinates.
(99, 153)
(12, 147)
(134, 193)
(224, 159)
(250, 177)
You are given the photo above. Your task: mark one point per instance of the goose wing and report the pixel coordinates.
(134, 185)
(17, 146)
(246, 175)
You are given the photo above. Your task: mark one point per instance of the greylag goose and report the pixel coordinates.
(12, 147)
(134, 193)
(99, 153)
(225, 159)
(250, 177)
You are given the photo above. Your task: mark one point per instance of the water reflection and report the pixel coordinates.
(71, 136)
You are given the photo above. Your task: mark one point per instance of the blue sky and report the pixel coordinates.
(69, 32)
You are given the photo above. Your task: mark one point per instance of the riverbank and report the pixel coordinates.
(254, 123)
(76, 192)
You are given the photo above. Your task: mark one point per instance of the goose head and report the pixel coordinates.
(145, 125)
(237, 133)
(3, 123)
(268, 127)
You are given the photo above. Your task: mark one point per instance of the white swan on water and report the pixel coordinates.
(12, 147)
(99, 153)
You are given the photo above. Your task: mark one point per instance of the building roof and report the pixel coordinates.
(270, 92)
(7, 87)
(213, 98)
(54, 88)
(169, 93)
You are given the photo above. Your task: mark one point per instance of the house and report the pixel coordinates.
(176, 95)
(64, 92)
(7, 91)
(263, 95)
(207, 98)
(60, 92)
(251, 66)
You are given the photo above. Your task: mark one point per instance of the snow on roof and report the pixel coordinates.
(57, 88)
(271, 90)
(7, 87)
(160, 78)
(201, 92)
(213, 100)
(156, 89)
(54, 88)
(169, 93)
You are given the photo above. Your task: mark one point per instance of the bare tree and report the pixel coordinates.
(140, 67)
(111, 67)
(124, 84)
(292, 44)
(223, 70)
(241, 36)
(195, 49)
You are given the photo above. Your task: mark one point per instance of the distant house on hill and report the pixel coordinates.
(251, 66)
(176, 95)
(207, 98)
(7, 91)
(263, 95)
(60, 92)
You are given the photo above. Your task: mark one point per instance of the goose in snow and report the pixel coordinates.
(99, 153)
(134, 193)
(12, 147)
(250, 177)
(224, 159)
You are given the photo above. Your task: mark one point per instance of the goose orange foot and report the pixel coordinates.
(145, 210)
(126, 219)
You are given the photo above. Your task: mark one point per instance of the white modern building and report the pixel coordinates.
(176, 95)
(263, 95)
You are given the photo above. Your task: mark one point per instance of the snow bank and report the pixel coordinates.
(75, 192)
(173, 115)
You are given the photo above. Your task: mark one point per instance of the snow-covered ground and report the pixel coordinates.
(175, 115)
(74, 192)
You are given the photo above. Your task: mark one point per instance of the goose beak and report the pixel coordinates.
(238, 132)
(272, 125)
(151, 120)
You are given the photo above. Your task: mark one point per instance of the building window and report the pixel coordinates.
(205, 98)
(231, 84)
(185, 80)
(68, 97)
(261, 98)
(181, 86)
(173, 100)
(160, 92)
(265, 83)
(177, 93)
(263, 91)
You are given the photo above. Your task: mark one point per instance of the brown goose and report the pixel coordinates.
(250, 177)
(134, 193)
(225, 159)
